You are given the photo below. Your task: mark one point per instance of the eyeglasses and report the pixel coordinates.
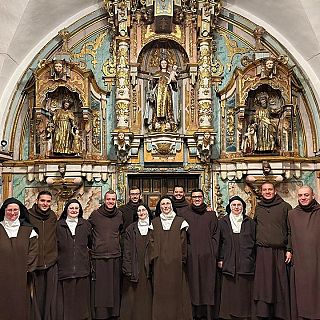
(197, 197)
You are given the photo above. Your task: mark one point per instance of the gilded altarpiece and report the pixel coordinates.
(161, 87)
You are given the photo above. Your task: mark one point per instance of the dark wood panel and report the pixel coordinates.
(155, 186)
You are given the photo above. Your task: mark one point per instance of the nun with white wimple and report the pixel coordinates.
(236, 260)
(74, 240)
(136, 303)
(167, 255)
(18, 256)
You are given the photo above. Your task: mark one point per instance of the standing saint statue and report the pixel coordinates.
(63, 121)
(265, 129)
(162, 108)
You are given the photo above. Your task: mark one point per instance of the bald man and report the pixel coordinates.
(304, 222)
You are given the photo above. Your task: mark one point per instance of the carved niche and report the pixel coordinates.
(257, 111)
(66, 119)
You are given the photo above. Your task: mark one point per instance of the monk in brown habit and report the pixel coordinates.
(46, 274)
(304, 221)
(203, 242)
(129, 210)
(106, 224)
(179, 200)
(271, 285)
(18, 254)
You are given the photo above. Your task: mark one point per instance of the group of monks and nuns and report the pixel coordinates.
(44, 219)
(129, 210)
(106, 223)
(304, 221)
(236, 260)
(179, 199)
(273, 245)
(74, 238)
(203, 243)
(167, 252)
(136, 302)
(18, 252)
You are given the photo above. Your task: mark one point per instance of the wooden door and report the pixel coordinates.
(155, 186)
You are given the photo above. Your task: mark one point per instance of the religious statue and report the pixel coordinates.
(49, 136)
(258, 33)
(161, 112)
(204, 147)
(265, 129)
(266, 168)
(249, 142)
(60, 70)
(268, 70)
(63, 120)
(123, 147)
(77, 144)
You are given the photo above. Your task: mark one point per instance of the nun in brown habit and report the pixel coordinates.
(18, 254)
(167, 255)
(136, 303)
(237, 261)
(74, 238)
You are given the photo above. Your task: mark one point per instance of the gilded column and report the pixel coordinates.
(122, 84)
(204, 85)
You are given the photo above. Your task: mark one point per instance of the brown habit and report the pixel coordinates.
(202, 254)
(168, 253)
(105, 285)
(45, 276)
(136, 303)
(18, 256)
(271, 285)
(305, 237)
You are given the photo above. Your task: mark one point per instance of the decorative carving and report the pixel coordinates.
(121, 186)
(205, 27)
(232, 49)
(252, 199)
(230, 125)
(164, 148)
(122, 113)
(91, 48)
(164, 144)
(267, 69)
(66, 186)
(109, 67)
(258, 33)
(122, 142)
(266, 168)
(96, 128)
(219, 202)
(122, 85)
(217, 68)
(205, 114)
(123, 75)
(204, 71)
(246, 60)
(60, 70)
(205, 142)
(249, 141)
(65, 35)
